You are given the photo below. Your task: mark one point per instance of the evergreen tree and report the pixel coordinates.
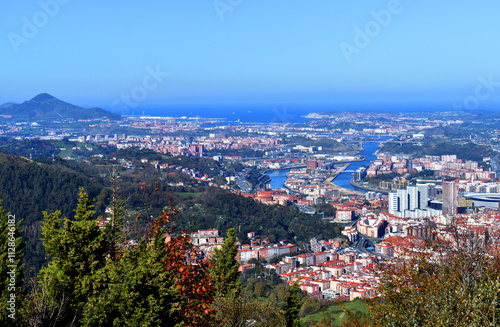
(134, 290)
(156, 283)
(11, 268)
(77, 249)
(114, 231)
(293, 307)
(224, 270)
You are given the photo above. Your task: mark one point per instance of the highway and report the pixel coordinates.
(363, 243)
(242, 184)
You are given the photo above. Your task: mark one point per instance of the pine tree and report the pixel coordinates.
(114, 231)
(11, 268)
(77, 248)
(293, 307)
(155, 283)
(224, 270)
(134, 290)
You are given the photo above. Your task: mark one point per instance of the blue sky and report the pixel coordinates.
(324, 53)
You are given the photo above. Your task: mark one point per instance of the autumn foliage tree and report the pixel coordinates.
(452, 283)
(190, 274)
(187, 268)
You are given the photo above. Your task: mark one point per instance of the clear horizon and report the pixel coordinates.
(383, 55)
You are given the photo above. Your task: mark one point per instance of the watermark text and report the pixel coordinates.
(364, 36)
(223, 6)
(12, 266)
(31, 26)
(139, 93)
(484, 89)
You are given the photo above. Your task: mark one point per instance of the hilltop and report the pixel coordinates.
(46, 107)
(12, 159)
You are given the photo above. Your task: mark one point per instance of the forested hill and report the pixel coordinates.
(28, 188)
(223, 210)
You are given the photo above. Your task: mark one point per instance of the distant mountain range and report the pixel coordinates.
(46, 107)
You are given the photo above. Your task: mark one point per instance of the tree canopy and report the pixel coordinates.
(455, 284)
(224, 269)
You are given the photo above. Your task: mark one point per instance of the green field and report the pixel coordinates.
(66, 153)
(338, 312)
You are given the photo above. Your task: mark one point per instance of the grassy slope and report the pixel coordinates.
(338, 312)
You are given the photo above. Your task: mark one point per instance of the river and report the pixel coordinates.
(278, 177)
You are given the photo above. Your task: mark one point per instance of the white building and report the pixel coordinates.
(411, 202)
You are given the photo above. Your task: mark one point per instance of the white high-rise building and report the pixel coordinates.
(423, 196)
(402, 200)
(450, 198)
(410, 202)
(393, 203)
(412, 192)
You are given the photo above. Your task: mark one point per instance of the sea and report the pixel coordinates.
(250, 113)
(247, 114)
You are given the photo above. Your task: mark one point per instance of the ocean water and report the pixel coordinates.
(259, 113)
(248, 114)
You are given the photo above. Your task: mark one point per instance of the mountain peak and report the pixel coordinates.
(42, 97)
(46, 107)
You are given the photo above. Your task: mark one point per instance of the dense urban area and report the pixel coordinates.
(323, 203)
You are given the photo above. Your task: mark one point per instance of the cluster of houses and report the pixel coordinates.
(326, 274)
(276, 197)
(331, 274)
(173, 168)
(258, 249)
(445, 165)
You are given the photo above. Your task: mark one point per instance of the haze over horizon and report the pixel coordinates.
(330, 54)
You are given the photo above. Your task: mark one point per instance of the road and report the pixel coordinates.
(305, 208)
(363, 243)
(240, 181)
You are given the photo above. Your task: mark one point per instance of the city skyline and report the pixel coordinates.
(395, 55)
